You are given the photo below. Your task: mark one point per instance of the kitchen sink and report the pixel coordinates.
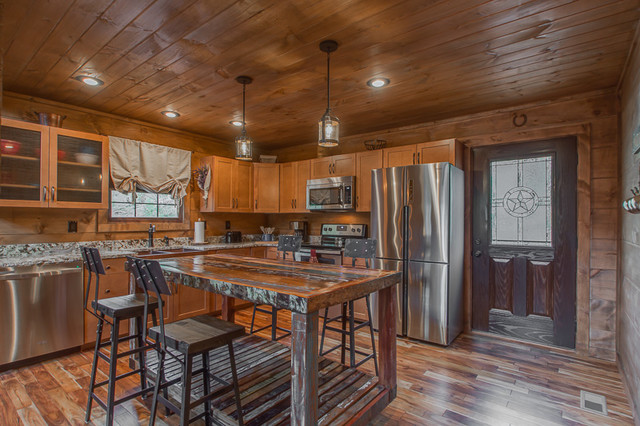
(165, 252)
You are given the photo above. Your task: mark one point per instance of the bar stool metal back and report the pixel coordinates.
(113, 311)
(286, 243)
(362, 248)
(178, 344)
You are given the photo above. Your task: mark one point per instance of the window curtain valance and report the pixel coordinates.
(155, 168)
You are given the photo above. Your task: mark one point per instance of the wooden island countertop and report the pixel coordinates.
(304, 289)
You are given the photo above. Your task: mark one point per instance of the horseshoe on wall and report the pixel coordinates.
(519, 120)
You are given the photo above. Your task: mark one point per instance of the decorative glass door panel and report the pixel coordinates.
(21, 159)
(78, 171)
(521, 200)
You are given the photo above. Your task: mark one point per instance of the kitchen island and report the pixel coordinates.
(304, 289)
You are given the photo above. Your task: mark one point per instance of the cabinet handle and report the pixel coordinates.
(418, 158)
(256, 204)
(357, 200)
(334, 168)
(295, 203)
(44, 193)
(53, 193)
(414, 158)
(329, 166)
(292, 203)
(107, 291)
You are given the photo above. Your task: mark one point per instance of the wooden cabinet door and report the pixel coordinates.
(223, 198)
(365, 162)
(189, 302)
(344, 165)
(321, 167)
(266, 187)
(271, 253)
(114, 283)
(399, 156)
(287, 186)
(78, 169)
(243, 186)
(440, 151)
(24, 165)
(303, 174)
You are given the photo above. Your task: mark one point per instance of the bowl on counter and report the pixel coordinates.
(85, 158)
(9, 147)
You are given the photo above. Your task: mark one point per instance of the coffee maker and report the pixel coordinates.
(300, 228)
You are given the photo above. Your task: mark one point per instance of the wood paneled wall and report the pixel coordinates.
(22, 225)
(593, 118)
(281, 221)
(629, 282)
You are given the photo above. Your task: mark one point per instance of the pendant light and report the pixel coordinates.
(244, 144)
(329, 125)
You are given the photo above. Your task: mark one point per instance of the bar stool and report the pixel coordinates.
(286, 243)
(113, 311)
(356, 249)
(183, 341)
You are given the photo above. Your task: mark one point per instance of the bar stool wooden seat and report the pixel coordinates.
(356, 249)
(113, 311)
(286, 243)
(179, 343)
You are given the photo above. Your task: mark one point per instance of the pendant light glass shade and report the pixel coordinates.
(244, 148)
(328, 130)
(244, 144)
(328, 125)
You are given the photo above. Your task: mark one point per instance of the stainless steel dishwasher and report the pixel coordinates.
(40, 310)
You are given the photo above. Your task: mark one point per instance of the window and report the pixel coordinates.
(147, 205)
(521, 192)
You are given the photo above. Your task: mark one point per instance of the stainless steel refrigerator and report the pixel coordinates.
(417, 216)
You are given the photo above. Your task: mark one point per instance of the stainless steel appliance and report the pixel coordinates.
(300, 228)
(417, 216)
(334, 193)
(40, 310)
(332, 237)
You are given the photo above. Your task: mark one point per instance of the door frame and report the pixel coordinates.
(564, 229)
(582, 132)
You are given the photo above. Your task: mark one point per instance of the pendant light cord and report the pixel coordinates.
(328, 80)
(244, 87)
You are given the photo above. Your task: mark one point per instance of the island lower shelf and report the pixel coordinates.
(345, 395)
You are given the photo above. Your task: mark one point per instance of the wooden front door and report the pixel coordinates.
(524, 240)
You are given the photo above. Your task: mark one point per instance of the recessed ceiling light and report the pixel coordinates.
(170, 114)
(89, 81)
(378, 82)
(236, 123)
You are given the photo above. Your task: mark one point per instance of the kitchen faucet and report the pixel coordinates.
(152, 229)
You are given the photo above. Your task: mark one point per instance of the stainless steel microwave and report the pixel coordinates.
(334, 193)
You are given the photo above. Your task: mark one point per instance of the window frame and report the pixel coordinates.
(178, 219)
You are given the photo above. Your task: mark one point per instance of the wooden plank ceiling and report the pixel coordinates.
(444, 58)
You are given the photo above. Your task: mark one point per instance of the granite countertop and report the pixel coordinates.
(40, 254)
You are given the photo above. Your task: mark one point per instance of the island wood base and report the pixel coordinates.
(345, 395)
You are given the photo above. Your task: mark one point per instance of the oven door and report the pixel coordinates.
(325, 197)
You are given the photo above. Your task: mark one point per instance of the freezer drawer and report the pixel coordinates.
(428, 302)
(40, 311)
(389, 265)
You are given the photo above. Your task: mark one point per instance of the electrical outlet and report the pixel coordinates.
(227, 224)
(72, 226)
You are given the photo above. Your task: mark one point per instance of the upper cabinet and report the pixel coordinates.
(365, 162)
(293, 186)
(43, 166)
(448, 150)
(399, 156)
(336, 165)
(266, 187)
(231, 187)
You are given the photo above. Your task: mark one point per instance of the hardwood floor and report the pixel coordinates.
(477, 380)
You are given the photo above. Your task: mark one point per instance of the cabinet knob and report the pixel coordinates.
(477, 253)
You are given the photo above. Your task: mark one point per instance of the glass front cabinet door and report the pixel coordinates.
(43, 166)
(24, 164)
(78, 171)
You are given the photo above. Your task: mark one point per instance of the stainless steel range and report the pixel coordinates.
(332, 238)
